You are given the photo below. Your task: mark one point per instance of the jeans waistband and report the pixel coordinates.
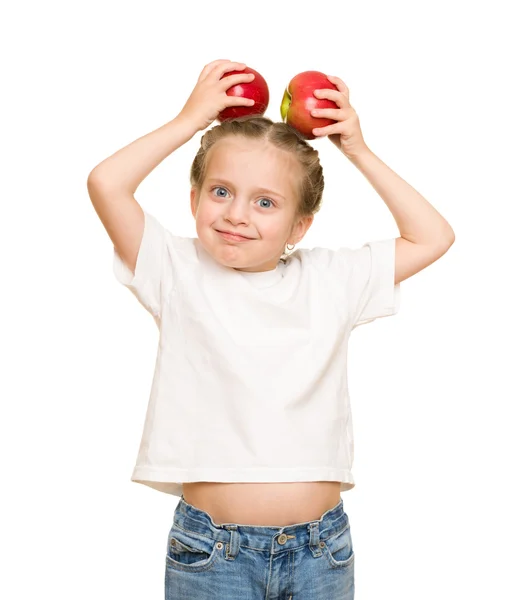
(262, 537)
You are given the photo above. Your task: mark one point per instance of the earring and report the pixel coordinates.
(288, 247)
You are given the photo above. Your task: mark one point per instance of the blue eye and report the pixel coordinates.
(266, 200)
(226, 191)
(219, 188)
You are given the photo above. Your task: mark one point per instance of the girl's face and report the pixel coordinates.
(250, 189)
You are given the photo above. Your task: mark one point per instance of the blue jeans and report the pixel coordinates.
(306, 561)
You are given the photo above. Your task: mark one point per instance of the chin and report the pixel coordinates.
(232, 262)
(228, 256)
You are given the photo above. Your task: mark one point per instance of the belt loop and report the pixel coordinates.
(232, 548)
(313, 544)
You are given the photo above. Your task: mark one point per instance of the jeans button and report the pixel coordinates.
(282, 539)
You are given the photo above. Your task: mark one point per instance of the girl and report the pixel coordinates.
(249, 414)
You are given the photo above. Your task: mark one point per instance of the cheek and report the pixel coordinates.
(206, 212)
(275, 229)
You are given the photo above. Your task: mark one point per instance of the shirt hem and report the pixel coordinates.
(170, 481)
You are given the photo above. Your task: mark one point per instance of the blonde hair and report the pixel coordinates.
(281, 135)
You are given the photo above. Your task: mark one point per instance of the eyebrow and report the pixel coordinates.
(260, 189)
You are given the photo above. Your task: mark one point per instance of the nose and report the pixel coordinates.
(237, 212)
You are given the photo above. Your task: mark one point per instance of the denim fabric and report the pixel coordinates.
(306, 561)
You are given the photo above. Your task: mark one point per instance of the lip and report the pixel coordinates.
(234, 237)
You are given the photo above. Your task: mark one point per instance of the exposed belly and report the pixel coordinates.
(260, 504)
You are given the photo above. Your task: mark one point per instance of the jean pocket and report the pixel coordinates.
(339, 549)
(187, 551)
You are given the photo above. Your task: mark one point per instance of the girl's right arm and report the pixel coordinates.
(112, 183)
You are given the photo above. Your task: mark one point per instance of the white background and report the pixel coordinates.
(435, 390)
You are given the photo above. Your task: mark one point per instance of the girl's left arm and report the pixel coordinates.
(425, 234)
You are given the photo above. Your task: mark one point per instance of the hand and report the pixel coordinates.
(346, 134)
(209, 96)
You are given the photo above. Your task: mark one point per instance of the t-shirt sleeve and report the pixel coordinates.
(151, 275)
(371, 287)
(363, 279)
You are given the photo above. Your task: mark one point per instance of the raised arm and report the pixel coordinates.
(425, 234)
(112, 183)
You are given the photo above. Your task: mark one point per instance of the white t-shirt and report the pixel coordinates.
(250, 382)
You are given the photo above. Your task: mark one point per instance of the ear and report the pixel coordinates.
(300, 228)
(193, 201)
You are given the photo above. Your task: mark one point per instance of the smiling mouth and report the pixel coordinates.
(233, 236)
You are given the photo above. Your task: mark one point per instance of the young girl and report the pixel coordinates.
(249, 415)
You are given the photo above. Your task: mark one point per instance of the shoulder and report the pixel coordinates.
(317, 256)
(327, 259)
(346, 255)
(180, 245)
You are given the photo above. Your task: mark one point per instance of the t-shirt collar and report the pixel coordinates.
(263, 279)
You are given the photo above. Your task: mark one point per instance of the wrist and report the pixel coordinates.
(185, 125)
(359, 155)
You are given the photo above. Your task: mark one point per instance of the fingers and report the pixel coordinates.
(206, 70)
(336, 114)
(220, 70)
(327, 113)
(336, 96)
(329, 130)
(239, 101)
(230, 80)
(224, 63)
(341, 86)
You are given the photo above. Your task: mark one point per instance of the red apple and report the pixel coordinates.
(299, 100)
(257, 90)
